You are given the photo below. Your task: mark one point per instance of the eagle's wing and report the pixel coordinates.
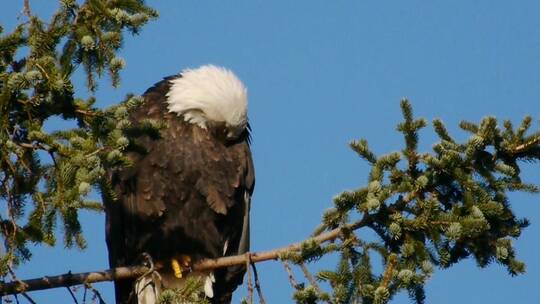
(187, 193)
(227, 279)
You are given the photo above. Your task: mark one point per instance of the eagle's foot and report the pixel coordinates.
(180, 265)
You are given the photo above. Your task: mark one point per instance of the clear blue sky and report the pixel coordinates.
(321, 73)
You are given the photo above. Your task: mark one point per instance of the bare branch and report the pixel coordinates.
(28, 298)
(275, 254)
(310, 278)
(290, 274)
(72, 295)
(26, 11)
(123, 273)
(70, 279)
(389, 270)
(95, 292)
(249, 279)
(526, 145)
(84, 294)
(258, 284)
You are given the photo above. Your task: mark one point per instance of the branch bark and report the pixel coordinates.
(123, 273)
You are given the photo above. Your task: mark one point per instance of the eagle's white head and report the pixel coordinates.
(207, 95)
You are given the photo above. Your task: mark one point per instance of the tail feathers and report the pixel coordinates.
(209, 285)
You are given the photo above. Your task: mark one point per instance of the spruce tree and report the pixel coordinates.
(428, 209)
(46, 177)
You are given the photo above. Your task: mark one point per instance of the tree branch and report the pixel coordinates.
(389, 270)
(290, 274)
(310, 278)
(123, 273)
(26, 11)
(521, 148)
(72, 295)
(70, 279)
(258, 284)
(249, 284)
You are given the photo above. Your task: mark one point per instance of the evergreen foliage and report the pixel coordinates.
(190, 293)
(428, 209)
(46, 177)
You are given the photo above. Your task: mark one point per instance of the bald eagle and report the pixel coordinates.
(187, 195)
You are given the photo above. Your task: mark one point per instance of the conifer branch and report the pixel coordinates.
(86, 112)
(123, 273)
(526, 145)
(392, 261)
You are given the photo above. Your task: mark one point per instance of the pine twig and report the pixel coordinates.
(276, 253)
(96, 292)
(72, 295)
(28, 298)
(310, 278)
(258, 284)
(526, 145)
(84, 294)
(249, 284)
(26, 11)
(290, 274)
(392, 261)
(86, 113)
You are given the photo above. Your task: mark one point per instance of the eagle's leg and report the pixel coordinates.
(148, 286)
(180, 265)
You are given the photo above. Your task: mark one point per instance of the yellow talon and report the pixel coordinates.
(176, 268)
(180, 265)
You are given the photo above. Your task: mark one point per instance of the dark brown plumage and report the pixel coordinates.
(188, 194)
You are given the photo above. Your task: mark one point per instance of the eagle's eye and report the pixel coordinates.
(233, 132)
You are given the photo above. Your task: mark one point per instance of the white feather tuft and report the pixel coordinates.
(225, 246)
(209, 93)
(148, 288)
(209, 285)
